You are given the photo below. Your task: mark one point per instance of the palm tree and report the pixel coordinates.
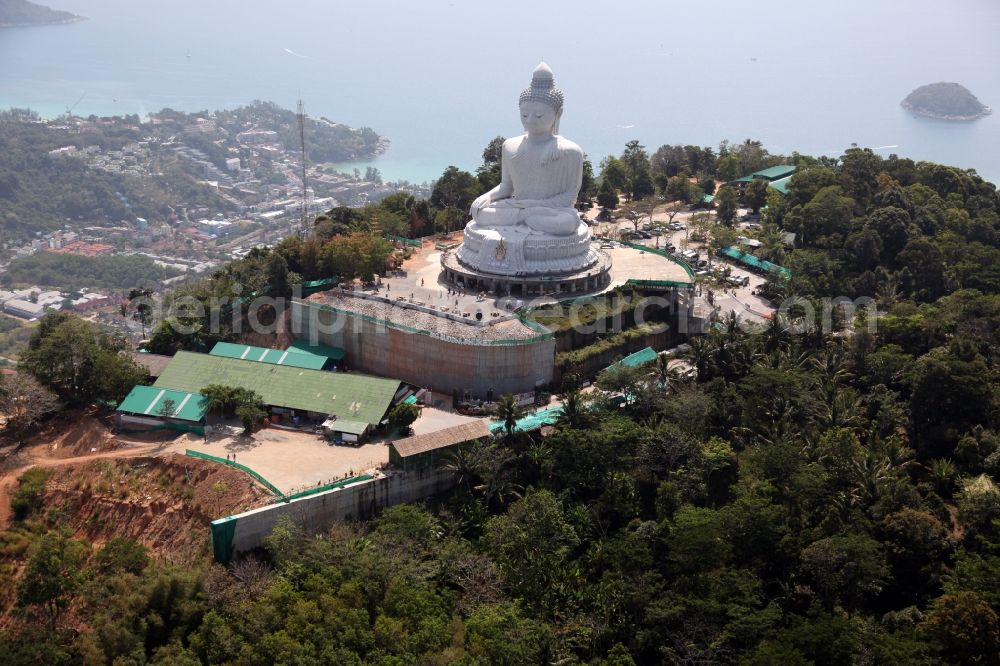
(662, 372)
(538, 454)
(573, 412)
(497, 476)
(942, 473)
(508, 412)
(832, 365)
(700, 356)
(465, 463)
(776, 334)
(731, 324)
(839, 409)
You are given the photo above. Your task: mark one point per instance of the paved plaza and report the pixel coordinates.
(297, 460)
(291, 460)
(422, 281)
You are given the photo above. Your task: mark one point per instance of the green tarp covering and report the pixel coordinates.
(754, 262)
(411, 242)
(641, 357)
(149, 401)
(289, 357)
(313, 286)
(531, 421)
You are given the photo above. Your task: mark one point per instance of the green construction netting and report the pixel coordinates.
(664, 254)
(223, 531)
(235, 465)
(149, 401)
(329, 486)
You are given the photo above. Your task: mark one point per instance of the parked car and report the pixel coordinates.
(738, 280)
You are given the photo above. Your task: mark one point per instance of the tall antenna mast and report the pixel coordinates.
(302, 144)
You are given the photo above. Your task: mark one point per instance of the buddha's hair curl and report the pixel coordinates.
(542, 89)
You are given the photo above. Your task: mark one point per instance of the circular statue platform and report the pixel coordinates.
(593, 278)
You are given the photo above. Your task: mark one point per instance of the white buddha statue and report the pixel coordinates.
(527, 225)
(541, 172)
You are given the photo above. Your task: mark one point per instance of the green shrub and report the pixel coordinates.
(27, 499)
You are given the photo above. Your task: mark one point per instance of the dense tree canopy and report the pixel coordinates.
(813, 495)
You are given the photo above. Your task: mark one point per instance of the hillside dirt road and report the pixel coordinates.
(75, 440)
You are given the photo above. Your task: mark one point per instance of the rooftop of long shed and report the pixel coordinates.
(348, 395)
(152, 401)
(289, 357)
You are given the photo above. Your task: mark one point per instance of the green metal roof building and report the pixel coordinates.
(293, 358)
(781, 184)
(317, 349)
(150, 400)
(771, 175)
(350, 397)
(775, 172)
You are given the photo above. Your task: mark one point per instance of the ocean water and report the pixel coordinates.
(440, 78)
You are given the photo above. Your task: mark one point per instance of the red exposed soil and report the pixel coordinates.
(118, 487)
(165, 503)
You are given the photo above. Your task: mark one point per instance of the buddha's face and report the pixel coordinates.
(538, 118)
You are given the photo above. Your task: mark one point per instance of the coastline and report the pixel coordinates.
(941, 116)
(38, 24)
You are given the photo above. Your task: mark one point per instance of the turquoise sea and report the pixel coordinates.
(440, 78)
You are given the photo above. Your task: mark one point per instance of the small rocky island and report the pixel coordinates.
(21, 13)
(945, 101)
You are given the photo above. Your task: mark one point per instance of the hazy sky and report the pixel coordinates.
(441, 77)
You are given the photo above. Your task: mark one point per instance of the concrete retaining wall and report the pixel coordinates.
(422, 360)
(245, 531)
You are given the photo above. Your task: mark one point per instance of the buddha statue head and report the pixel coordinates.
(541, 104)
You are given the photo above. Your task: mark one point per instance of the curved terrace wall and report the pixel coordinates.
(425, 357)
